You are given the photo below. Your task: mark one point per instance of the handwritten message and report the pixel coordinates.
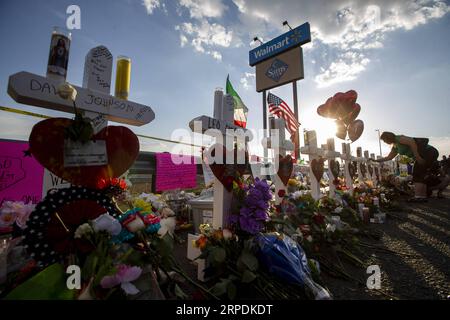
(170, 176)
(20, 176)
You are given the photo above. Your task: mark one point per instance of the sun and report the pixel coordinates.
(325, 128)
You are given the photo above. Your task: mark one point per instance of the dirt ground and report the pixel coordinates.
(414, 257)
(413, 254)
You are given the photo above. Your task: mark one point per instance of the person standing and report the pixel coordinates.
(423, 154)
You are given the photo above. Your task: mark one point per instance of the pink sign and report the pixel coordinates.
(170, 176)
(20, 175)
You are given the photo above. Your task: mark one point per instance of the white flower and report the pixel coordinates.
(227, 234)
(309, 238)
(330, 227)
(338, 210)
(67, 92)
(105, 222)
(83, 230)
(136, 224)
(167, 226)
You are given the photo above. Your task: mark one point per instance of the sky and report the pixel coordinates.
(394, 53)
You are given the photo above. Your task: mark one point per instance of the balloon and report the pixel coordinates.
(355, 130)
(350, 117)
(344, 103)
(326, 109)
(341, 130)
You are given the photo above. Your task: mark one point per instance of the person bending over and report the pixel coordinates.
(424, 156)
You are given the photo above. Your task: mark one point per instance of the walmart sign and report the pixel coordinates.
(293, 38)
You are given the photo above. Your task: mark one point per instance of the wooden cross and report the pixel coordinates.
(359, 160)
(313, 152)
(223, 119)
(278, 142)
(93, 98)
(330, 154)
(347, 157)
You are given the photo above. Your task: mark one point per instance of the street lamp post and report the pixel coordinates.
(379, 140)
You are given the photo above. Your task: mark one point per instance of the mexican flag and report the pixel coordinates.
(240, 110)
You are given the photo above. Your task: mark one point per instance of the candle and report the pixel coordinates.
(366, 215)
(58, 57)
(123, 77)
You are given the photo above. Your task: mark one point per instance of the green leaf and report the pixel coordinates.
(248, 276)
(220, 288)
(231, 290)
(180, 293)
(249, 260)
(219, 255)
(49, 284)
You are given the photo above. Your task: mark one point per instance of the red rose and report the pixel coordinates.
(319, 219)
(281, 193)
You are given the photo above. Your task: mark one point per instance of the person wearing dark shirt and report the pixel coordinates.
(423, 154)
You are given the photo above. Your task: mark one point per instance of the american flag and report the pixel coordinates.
(279, 108)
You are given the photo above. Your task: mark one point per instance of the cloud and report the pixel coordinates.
(151, 5)
(347, 30)
(345, 27)
(200, 9)
(205, 37)
(247, 80)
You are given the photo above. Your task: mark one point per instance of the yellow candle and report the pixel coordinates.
(123, 75)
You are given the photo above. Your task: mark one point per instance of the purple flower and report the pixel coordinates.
(253, 213)
(125, 274)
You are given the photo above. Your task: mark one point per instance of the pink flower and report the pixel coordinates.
(18, 212)
(125, 274)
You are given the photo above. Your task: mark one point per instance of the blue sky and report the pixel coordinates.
(395, 54)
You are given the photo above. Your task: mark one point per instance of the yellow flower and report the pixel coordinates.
(144, 205)
(292, 183)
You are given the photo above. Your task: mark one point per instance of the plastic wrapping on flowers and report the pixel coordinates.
(284, 258)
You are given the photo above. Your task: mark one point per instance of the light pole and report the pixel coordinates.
(379, 140)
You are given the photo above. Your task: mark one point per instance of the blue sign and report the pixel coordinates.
(293, 38)
(276, 70)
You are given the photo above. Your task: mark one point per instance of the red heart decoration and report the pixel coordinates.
(225, 172)
(362, 167)
(353, 114)
(352, 169)
(285, 168)
(327, 109)
(47, 146)
(355, 130)
(334, 168)
(369, 167)
(341, 129)
(317, 168)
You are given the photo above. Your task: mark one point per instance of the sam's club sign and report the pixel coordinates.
(295, 37)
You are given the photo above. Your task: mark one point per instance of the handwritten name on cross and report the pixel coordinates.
(94, 97)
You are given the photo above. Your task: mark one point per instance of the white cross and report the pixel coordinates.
(367, 162)
(223, 120)
(359, 160)
(93, 98)
(278, 142)
(347, 157)
(331, 154)
(374, 176)
(313, 152)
